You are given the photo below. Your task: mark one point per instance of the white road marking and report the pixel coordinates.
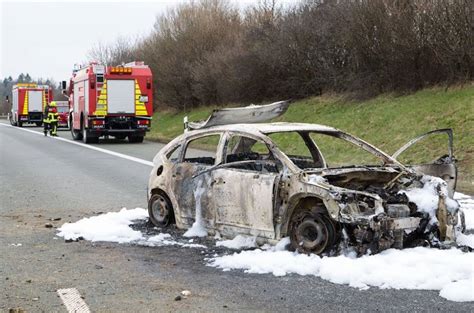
(120, 155)
(73, 301)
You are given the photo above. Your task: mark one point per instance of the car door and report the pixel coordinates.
(190, 190)
(244, 187)
(442, 165)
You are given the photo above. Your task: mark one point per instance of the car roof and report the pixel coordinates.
(267, 128)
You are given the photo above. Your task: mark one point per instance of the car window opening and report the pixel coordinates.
(194, 150)
(246, 153)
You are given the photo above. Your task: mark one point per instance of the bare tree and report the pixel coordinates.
(209, 52)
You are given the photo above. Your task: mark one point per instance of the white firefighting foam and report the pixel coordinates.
(198, 229)
(426, 198)
(449, 271)
(115, 227)
(112, 226)
(239, 242)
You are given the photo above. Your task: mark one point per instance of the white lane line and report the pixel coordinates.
(73, 301)
(120, 155)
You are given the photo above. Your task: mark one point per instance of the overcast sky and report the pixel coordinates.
(46, 39)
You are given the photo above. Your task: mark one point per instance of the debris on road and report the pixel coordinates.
(48, 225)
(185, 293)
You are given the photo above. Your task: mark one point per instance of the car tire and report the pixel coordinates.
(312, 232)
(160, 210)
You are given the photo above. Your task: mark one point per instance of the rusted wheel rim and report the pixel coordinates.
(160, 210)
(312, 235)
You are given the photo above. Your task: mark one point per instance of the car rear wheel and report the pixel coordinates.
(312, 232)
(160, 210)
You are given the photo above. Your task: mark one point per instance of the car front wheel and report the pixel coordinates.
(312, 232)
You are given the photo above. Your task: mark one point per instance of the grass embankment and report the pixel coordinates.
(387, 121)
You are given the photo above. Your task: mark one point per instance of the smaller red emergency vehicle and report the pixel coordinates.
(63, 113)
(28, 103)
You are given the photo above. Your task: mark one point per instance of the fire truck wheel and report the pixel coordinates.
(39, 124)
(87, 138)
(135, 138)
(160, 210)
(76, 135)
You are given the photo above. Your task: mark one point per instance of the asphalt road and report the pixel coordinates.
(42, 179)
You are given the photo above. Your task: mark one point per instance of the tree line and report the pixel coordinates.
(210, 52)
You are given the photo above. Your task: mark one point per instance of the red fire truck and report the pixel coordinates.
(28, 103)
(110, 101)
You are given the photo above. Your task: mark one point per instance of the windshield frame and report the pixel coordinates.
(386, 159)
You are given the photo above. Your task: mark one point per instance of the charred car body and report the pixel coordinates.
(247, 184)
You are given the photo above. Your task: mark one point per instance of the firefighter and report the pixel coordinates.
(51, 119)
(46, 119)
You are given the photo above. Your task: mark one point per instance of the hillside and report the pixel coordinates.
(386, 121)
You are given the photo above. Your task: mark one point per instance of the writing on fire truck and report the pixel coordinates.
(110, 101)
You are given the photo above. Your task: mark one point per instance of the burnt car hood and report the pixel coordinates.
(381, 183)
(360, 178)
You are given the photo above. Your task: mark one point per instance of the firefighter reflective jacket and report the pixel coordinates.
(50, 113)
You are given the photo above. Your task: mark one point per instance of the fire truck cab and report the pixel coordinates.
(110, 101)
(28, 103)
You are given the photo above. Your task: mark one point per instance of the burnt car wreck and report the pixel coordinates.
(273, 180)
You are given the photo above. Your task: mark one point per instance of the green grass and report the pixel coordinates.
(387, 121)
